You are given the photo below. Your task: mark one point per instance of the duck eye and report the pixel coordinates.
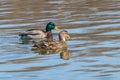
(67, 36)
(54, 25)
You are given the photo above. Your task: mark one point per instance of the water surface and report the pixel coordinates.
(93, 52)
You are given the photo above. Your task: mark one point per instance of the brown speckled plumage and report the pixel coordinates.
(53, 44)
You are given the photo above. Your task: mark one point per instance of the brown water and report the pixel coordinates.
(93, 53)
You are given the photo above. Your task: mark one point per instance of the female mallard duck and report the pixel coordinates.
(38, 33)
(53, 44)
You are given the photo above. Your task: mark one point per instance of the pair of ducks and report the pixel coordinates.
(48, 43)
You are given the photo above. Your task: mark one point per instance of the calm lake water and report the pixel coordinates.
(93, 53)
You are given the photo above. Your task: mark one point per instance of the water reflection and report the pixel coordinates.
(30, 41)
(25, 41)
(64, 53)
(94, 26)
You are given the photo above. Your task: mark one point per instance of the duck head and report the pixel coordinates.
(63, 35)
(50, 26)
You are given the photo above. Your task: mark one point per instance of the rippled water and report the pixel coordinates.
(93, 52)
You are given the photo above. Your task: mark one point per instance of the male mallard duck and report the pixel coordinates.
(38, 33)
(53, 44)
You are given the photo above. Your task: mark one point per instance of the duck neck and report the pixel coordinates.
(62, 38)
(49, 35)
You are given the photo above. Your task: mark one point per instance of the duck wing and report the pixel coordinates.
(33, 32)
(50, 44)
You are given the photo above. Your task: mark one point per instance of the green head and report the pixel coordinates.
(51, 26)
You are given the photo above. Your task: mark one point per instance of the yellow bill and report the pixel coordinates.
(56, 28)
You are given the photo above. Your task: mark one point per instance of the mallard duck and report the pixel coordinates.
(38, 33)
(53, 44)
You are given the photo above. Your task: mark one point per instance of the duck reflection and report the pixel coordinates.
(64, 53)
(30, 41)
(25, 41)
